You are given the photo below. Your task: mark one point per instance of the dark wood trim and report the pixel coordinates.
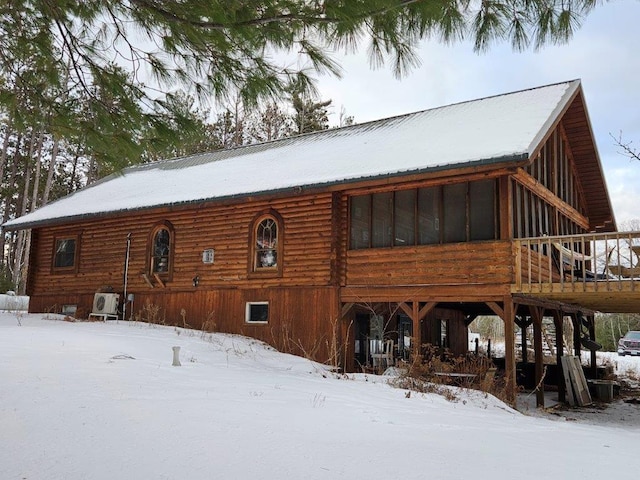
(346, 308)
(548, 196)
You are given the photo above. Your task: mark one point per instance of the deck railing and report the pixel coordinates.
(601, 260)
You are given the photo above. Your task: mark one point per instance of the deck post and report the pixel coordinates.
(576, 334)
(592, 336)
(558, 320)
(509, 349)
(417, 332)
(536, 316)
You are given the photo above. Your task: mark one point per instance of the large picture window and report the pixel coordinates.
(266, 244)
(457, 212)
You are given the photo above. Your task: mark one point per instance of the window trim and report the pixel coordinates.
(76, 254)
(164, 225)
(247, 313)
(253, 269)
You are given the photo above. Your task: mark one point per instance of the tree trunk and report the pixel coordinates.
(52, 170)
(36, 180)
(16, 268)
(5, 148)
(8, 204)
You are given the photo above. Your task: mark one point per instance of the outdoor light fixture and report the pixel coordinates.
(196, 281)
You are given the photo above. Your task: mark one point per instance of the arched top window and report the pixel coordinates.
(161, 250)
(266, 244)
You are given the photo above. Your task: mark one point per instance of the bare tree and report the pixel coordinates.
(626, 148)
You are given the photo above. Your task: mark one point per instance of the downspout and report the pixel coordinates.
(126, 276)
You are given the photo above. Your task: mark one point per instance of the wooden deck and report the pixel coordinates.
(598, 271)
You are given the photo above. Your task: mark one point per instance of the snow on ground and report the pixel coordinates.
(102, 401)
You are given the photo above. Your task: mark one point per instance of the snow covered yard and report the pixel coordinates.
(102, 401)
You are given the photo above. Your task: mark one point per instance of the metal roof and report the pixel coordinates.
(498, 129)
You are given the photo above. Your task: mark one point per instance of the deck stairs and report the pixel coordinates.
(549, 347)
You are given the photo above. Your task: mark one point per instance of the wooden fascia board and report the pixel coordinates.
(433, 179)
(548, 196)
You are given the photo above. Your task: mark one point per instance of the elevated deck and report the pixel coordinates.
(600, 272)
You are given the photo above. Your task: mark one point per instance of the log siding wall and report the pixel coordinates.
(488, 262)
(302, 301)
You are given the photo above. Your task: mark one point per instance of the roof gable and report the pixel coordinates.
(490, 130)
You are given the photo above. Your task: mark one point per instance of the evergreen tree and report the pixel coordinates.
(310, 116)
(220, 48)
(269, 123)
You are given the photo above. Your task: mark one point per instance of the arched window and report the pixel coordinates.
(266, 244)
(161, 250)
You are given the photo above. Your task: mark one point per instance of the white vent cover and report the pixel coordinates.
(207, 256)
(106, 303)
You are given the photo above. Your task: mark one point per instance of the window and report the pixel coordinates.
(65, 254)
(382, 219)
(161, 250)
(405, 217)
(429, 215)
(360, 221)
(454, 212)
(482, 224)
(459, 212)
(266, 244)
(257, 312)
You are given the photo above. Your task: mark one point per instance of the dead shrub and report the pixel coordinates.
(434, 368)
(150, 313)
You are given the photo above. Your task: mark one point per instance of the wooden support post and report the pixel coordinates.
(558, 320)
(576, 334)
(523, 324)
(536, 316)
(509, 349)
(417, 332)
(592, 336)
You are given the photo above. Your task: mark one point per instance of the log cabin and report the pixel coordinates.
(402, 229)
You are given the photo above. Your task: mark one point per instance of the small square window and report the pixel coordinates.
(257, 312)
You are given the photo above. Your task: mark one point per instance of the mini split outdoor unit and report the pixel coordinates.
(106, 303)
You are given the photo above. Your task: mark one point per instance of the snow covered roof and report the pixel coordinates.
(495, 129)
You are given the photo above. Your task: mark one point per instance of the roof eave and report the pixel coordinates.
(513, 160)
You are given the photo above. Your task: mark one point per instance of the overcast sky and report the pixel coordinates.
(604, 54)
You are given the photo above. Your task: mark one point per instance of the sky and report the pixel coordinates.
(102, 401)
(603, 54)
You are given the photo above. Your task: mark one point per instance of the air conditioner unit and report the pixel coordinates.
(106, 303)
